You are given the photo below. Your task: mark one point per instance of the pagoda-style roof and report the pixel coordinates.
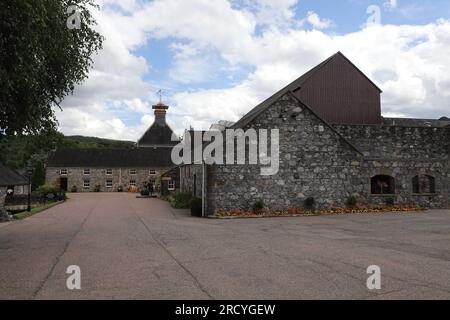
(159, 134)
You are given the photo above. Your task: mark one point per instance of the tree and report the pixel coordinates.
(22, 151)
(41, 60)
(38, 178)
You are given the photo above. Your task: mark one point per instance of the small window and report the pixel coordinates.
(63, 172)
(87, 172)
(109, 172)
(133, 172)
(383, 184)
(171, 185)
(424, 184)
(109, 183)
(10, 190)
(152, 172)
(86, 184)
(133, 183)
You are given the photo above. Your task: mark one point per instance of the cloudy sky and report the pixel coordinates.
(216, 59)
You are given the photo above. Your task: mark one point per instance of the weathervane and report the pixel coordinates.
(159, 92)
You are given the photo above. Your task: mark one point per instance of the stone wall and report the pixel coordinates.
(3, 214)
(404, 152)
(399, 142)
(20, 190)
(403, 171)
(448, 184)
(315, 161)
(171, 176)
(98, 176)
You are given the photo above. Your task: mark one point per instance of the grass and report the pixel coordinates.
(26, 214)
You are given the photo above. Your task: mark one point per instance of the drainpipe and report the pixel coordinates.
(204, 189)
(180, 182)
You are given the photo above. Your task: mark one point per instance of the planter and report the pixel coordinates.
(196, 207)
(196, 212)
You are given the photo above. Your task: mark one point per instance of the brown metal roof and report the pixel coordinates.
(294, 86)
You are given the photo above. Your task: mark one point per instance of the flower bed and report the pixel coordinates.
(293, 212)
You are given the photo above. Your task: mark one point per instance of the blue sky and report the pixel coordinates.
(349, 15)
(216, 59)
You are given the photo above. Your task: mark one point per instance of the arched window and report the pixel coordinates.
(383, 184)
(423, 184)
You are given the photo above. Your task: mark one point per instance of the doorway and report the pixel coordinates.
(64, 184)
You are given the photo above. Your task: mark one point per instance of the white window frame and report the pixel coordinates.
(63, 172)
(109, 170)
(133, 183)
(88, 185)
(86, 170)
(131, 172)
(109, 185)
(169, 185)
(152, 172)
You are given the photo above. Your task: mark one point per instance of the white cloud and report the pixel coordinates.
(410, 63)
(268, 12)
(191, 65)
(391, 4)
(318, 23)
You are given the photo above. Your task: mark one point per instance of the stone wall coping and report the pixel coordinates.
(381, 126)
(407, 159)
(94, 167)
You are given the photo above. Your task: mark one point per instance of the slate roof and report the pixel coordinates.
(158, 134)
(9, 177)
(294, 86)
(111, 158)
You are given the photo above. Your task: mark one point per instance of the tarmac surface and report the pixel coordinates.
(129, 248)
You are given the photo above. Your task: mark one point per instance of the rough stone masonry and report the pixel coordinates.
(325, 162)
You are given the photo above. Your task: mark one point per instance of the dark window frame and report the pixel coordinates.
(382, 185)
(419, 187)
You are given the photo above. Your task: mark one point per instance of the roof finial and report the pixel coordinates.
(160, 95)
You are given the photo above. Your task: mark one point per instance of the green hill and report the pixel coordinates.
(19, 152)
(81, 142)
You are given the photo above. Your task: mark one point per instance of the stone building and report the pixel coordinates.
(10, 181)
(110, 170)
(333, 145)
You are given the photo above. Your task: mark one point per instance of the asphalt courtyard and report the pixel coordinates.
(130, 248)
